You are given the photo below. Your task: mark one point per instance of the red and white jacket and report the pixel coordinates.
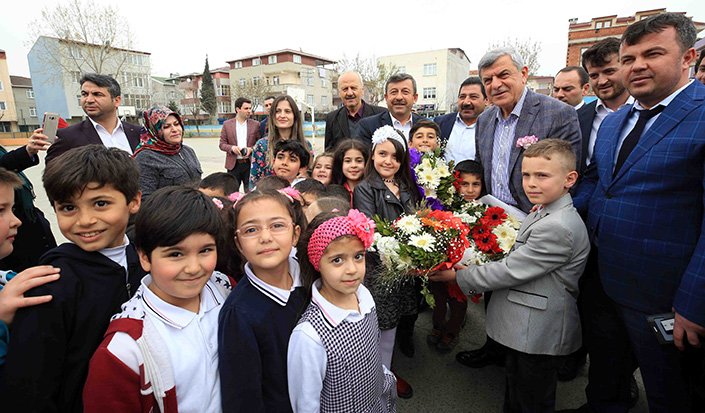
(113, 384)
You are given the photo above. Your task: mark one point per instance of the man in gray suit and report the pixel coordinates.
(534, 311)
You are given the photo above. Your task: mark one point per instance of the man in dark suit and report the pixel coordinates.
(400, 95)
(458, 128)
(516, 113)
(263, 124)
(644, 196)
(237, 138)
(100, 98)
(340, 122)
(570, 86)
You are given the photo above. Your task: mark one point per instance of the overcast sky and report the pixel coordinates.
(180, 34)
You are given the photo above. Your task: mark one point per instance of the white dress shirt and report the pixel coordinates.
(192, 343)
(601, 112)
(502, 144)
(307, 359)
(241, 132)
(461, 143)
(114, 139)
(405, 128)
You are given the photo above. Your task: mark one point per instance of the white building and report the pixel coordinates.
(438, 75)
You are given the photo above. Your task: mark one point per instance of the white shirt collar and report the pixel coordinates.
(667, 100)
(396, 121)
(172, 315)
(334, 315)
(278, 295)
(601, 105)
(460, 121)
(579, 105)
(118, 125)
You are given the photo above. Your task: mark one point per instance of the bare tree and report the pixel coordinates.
(94, 36)
(374, 74)
(255, 91)
(528, 49)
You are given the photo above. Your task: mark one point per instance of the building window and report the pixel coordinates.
(33, 112)
(30, 93)
(224, 107)
(297, 58)
(5, 127)
(275, 80)
(138, 101)
(138, 80)
(2, 87)
(429, 93)
(323, 83)
(429, 69)
(238, 64)
(603, 24)
(75, 76)
(256, 61)
(256, 80)
(272, 59)
(324, 100)
(3, 106)
(75, 52)
(223, 90)
(309, 100)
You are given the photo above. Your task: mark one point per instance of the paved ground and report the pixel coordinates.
(440, 383)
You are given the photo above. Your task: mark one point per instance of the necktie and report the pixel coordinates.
(633, 137)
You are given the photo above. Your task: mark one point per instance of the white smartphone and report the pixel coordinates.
(50, 125)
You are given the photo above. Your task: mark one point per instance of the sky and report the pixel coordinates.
(179, 35)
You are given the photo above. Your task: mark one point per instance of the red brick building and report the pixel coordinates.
(190, 103)
(582, 35)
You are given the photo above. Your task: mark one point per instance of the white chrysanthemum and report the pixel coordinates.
(506, 235)
(408, 224)
(442, 170)
(429, 179)
(466, 218)
(423, 241)
(426, 164)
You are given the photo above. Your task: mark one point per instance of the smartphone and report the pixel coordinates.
(50, 124)
(662, 325)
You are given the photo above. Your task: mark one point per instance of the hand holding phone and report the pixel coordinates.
(50, 125)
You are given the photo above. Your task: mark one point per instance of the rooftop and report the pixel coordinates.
(298, 52)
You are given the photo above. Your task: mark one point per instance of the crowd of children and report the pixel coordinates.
(245, 302)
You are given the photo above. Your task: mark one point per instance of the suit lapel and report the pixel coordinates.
(484, 141)
(90, 133)
(526, 120)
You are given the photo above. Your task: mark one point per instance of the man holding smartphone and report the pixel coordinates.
(100, 98)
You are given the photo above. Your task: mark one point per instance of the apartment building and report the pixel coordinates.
(189, 86)
(28, 119)
(8, 112)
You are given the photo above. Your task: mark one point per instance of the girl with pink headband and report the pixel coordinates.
(333, 362)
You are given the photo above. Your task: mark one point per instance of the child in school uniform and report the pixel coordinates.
(94, 190)
(349, 161)
(334, 362)
(160, 352)
(258, 317)
(533, 311)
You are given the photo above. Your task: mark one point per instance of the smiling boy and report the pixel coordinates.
(291, 160)
(93, 190)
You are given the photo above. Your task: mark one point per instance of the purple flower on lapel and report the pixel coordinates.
(526, 141)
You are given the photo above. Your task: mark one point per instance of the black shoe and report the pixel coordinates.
(633, 392)
(478, 358)
(406, 345)
(582, 409)
(570, 367)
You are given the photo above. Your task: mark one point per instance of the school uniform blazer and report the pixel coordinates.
(366, 127)
(541, 116)
(228, 139)
(338, 126)
(647, 221)
(586, 116)
(83, 133)
(535, 288)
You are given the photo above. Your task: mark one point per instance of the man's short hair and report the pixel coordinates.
(425, 123)
(269, 97)
(102, 81)
(67, 177)
(686, 35)
(598, 53)
(220, 180)
(338, 191)
(171, 214)
(311, 186)
(329, 203)
(493, 55)
(272, 182)
(582, 73)
(473, 80)
(550, 149)
(9, 178)
(399, 77)
(295, 147)
(240, 101)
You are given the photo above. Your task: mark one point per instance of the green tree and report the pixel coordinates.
(173, 106)
(208, 102)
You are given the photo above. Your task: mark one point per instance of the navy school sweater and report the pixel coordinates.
(51, 344)
(253, 337)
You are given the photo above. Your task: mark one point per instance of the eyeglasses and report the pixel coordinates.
(254, 231)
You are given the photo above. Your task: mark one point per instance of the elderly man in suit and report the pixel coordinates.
(400, 95)
(100, 98)
(644, 197)
(237, 138)
(516, 113)
(340, 122)
(458, 128)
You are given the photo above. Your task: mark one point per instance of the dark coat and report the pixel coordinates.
(366, 127)
(586, 115)
(338, 126)
(445, 122)
(83, 133)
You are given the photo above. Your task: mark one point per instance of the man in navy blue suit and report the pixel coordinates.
(644, 195)
(458, 128)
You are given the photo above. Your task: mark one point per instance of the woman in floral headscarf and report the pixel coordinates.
(161, 156)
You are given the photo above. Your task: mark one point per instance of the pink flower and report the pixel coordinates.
(218, 203)
(526, 141)
(235, 196)
(363, 227)
(292, 194)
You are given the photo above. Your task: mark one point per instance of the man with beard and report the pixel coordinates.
(340, 122)
(458, 128)
(400, 95)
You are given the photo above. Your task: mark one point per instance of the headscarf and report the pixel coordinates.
(151, 139)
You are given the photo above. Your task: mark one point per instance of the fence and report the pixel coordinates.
(214, 130)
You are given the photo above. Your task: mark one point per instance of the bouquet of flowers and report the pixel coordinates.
(419, 243)
(492, 232)
(437, 182)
